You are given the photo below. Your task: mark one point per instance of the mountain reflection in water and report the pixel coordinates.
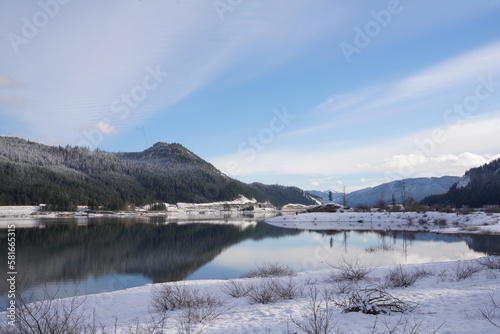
(156, 249)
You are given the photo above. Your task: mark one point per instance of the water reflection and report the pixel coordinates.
(107, 254)
(156, 248)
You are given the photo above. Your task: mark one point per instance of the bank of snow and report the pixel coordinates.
(441, 303)
(18, 211)
(441, 222)
(238, 206)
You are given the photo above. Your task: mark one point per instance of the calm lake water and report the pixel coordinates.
(92, 255)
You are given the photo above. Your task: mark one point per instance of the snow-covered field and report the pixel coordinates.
(439, 301)
(442, 222)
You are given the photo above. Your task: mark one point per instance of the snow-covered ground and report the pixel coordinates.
(439, 301)
(17, 211)
(442, 222)
(235, 208)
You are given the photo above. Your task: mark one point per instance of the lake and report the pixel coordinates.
(68, 256)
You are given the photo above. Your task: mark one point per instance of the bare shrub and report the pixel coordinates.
(344, 287)
(440, 208)
(211, 308)
(156, 324)
(441, 222)
(193, 320)
(362, 208)
(416, 208)
(464, 269)
(50, 315)
(270, 269)
(444, 275)
(287, 288)
(422, 222)
(490, 262)
(349, 271)
(423, 272)
(171, 296)
(491, 312)
(492, 210)
(186, 325)
(237, 289)
(271, 290)
(399, 277)
(373, 300)
(465, 211)
(198, 308)
(318, 317)
(180, 296)
(404, 325)
(492, 274)
(264, 292)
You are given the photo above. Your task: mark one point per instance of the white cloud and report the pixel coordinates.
(404, 160)
(465, 159)
(467, 145)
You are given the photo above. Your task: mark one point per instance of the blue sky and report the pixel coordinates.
(317, 94)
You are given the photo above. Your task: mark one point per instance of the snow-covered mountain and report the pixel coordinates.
(416, 188)
(67, 176)
(479, 186)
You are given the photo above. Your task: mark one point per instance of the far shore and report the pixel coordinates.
(471, 222)
(427, 221)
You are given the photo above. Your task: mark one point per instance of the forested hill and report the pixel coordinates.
(69, 176)
(479, 186)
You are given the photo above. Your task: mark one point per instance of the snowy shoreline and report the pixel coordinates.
(239, 207)
(25, 214)
(437, 222)
(430, 221)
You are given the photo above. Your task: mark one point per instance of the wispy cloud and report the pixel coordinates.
(450, 75)
(424, 94)
(92, 53)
